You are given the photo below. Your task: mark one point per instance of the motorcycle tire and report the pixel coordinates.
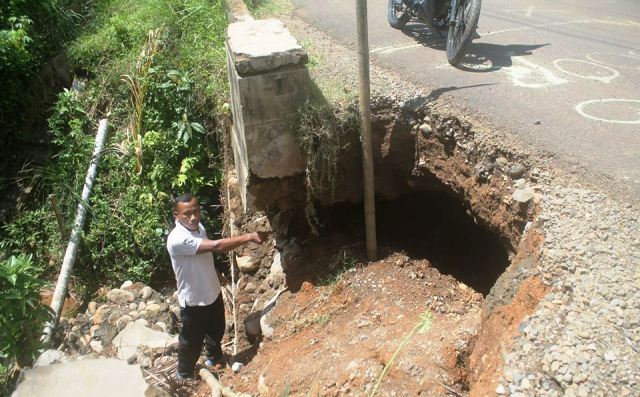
(398, 14)
(460, 32)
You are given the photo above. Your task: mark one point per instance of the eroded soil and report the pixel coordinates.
(335, 338)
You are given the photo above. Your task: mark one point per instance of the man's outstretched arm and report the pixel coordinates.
(227, 244)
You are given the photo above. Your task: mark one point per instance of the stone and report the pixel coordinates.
(162, 326)
(501, 389)
(101, 314)
(142, 322)
(133, 306)
(142, 306)
(252, 324)
(175, 309)
(88, 377)
(246, 264)
(156, 308)
(126, 284)
(114, 317)
(516, 170)
(425, 128)
(92, 307)
(119, 296)
(235, 367)
(250, 288)
(49, 357)
(96, 346)
(135, 335)
(610, 355)
(123, 321)
(146, 292)
(523, 195)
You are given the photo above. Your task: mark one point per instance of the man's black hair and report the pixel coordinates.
(183, 198)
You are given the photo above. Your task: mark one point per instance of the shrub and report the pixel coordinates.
(22, 315)
(175, 148)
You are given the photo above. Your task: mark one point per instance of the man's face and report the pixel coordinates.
(188, 214)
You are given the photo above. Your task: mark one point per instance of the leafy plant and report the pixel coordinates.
(167, 147)
(138, 87)
(22, 315)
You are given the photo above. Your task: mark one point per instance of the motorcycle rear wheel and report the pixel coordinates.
(398, 14)
(460, 32)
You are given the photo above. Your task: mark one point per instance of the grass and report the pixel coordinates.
(262, 9)
(423, 325)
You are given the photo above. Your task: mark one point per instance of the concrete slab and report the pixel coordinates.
(91, 377)
(257, 46)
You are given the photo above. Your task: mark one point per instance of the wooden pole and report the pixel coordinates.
(365, 114)
(60, 292)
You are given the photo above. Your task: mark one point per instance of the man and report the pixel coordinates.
(199, 291)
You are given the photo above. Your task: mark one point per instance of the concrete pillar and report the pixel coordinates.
(269, 82)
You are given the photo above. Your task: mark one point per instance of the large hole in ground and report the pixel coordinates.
(432, 226)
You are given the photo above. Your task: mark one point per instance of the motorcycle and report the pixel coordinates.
(459, 17)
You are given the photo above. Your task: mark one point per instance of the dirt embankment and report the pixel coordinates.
(452, 246)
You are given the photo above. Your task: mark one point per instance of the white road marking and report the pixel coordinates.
(580, 108)
(593, 57)
(394, 48)
(527, 74)
(613, 74)
(528, 12)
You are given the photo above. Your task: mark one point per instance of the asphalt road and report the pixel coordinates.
(563, 75)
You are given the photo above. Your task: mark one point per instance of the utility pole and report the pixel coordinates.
(365, 114)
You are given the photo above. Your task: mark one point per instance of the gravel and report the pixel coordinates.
(584, 338)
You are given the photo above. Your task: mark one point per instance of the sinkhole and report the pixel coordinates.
(428, 225)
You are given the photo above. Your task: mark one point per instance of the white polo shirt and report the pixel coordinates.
(196, 276)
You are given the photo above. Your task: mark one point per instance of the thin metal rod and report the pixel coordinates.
(365, 114)
(60, 292)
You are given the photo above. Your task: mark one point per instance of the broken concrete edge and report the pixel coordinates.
(260, 46)
(236, 10)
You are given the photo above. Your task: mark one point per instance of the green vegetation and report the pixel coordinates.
(22, 316)
(31, 32)
(324, 133)
(156, 68)
(268, 8)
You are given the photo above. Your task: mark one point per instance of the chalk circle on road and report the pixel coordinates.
(577, 68)
(615, 59)
(612, 110)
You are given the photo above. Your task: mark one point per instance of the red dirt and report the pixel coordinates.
(335, 339)
(501, 327)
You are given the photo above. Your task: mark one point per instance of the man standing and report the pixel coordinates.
(199, 291)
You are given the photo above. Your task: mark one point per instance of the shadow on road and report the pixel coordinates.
(487, 57)
(428, 38)
(480, 57)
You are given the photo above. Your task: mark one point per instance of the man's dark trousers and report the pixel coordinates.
(200, 323)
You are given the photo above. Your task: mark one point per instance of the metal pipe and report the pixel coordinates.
(365, 114)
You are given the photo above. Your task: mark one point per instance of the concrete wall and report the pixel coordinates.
(269, 81)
